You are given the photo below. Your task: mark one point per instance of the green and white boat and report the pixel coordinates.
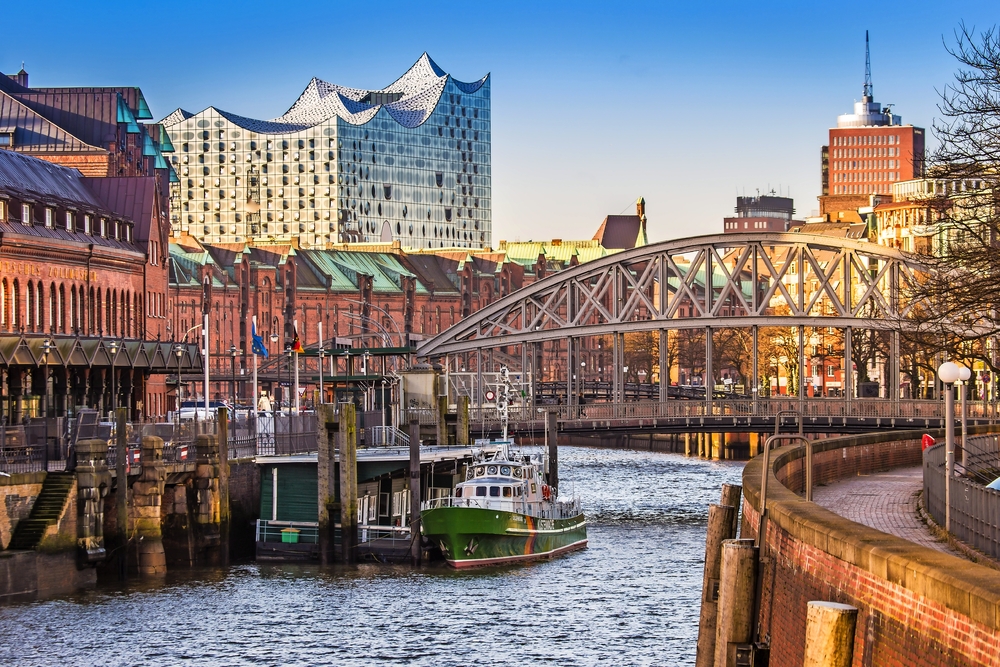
(504, 511)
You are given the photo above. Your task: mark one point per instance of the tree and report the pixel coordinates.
(955, 304)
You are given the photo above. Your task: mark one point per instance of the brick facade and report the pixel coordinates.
(917, 607)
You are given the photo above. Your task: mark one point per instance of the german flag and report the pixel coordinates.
(296, 343)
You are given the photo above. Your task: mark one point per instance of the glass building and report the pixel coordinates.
(409, 162)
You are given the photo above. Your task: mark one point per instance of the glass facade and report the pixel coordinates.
(410, 163)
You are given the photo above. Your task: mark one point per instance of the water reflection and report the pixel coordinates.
(631, 598)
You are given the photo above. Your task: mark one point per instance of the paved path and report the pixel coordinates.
(885, 501)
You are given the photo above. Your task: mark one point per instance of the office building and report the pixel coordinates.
(761, 213)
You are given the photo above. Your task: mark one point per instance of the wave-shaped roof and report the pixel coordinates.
(409, 100)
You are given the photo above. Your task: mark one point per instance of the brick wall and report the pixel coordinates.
(917, 607)
(18, 493)
(244, 507)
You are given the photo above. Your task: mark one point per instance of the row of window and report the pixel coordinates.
(841, 165)
(61, 310)
(866, 140)
(71, 221)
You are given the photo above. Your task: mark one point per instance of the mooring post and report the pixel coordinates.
(147, 508)
(462, 438)
(415, 541)
(224, 483)
(731, 495)
(347, 443)
(829, 634)
(121, 500)
(552, 435)
(736, 594)
(326, 457)
(720, 528)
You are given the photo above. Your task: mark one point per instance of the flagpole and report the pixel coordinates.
(319, 325)
(253, 399)
(295, 359)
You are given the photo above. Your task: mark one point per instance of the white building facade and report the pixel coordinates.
(410, 162)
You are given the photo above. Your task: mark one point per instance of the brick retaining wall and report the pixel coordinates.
(917, 607)
(18, 493)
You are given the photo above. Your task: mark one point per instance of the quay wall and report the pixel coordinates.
(244, 508)
(19, 492)
(917, 606)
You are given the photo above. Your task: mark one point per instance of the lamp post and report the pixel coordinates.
(274, 343)
(964, 374)
(949, 373)
(47, 347)
(288, 374)
(179, 351)
(113, 346)
(233, 353)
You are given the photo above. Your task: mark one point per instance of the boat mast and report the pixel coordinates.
(503, 398)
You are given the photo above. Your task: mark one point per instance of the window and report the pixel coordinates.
(49, 218)
(26, 214)
(69, 221)
(87, 225)
(481, 491)
(494, 491)
(829, 371)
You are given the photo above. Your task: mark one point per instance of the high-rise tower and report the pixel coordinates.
(868, 151)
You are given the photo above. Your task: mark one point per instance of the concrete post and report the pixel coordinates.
(147, 493)
(829, 634)
(92, 483)
(415, 541)
(731, 495)
(720, 528)
(326, 466)
(462, 438)
(347, 456)
(552, 431)
(736, 594)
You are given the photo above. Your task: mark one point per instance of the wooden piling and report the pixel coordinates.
(736, 593)
(731, 495)
(829, 634)
(347, 446)
(223, 418)
(415, 539)
(720, 528)
(552, 431)
(326, 458)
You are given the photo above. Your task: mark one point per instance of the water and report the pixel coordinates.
(631, 598)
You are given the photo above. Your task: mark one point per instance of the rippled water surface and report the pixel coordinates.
(631, 598)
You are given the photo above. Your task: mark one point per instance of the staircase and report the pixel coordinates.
(46, 511)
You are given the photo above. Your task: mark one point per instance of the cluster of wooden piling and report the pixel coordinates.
(730, 602)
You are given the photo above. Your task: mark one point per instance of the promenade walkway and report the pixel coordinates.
(886, 501)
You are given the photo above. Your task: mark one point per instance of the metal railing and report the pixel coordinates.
(271, 531)
(386, 436)
(975, 510)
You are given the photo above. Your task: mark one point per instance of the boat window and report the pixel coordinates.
(507, 492)
(458, 492)
(517, 472)
(480, 490)
(505, 470)
(480, 470)
(517, 491)
(494, 491)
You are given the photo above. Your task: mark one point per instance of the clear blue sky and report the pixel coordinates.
(594, 104)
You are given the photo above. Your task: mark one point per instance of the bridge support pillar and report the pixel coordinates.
(147, 492)
(208, 502)
(829, 634)
(92, 483)
(687, 444)
(737, 578)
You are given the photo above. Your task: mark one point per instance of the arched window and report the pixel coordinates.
(4, 306)
(61, 310)
(112, 313)
(51, 321)
(92, 316)
(15, 318)
(30, 313)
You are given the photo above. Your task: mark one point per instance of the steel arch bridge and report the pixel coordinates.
(767, 281)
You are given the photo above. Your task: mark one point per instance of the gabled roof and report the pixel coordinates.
(134, 197)
(620, 232)
(34, 133)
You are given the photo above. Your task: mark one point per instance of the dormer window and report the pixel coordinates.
(87, 225)
(69, 221)
(104, 228)
(25, 214)
(49, 218)
(6, 139)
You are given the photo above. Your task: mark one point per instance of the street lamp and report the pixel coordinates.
(949, 373)
(288, 374)
(113, 346)
(964, 374)
(47, 347)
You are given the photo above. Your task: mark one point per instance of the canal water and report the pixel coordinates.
(631, 598)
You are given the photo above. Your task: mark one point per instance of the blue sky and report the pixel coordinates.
(594, 104)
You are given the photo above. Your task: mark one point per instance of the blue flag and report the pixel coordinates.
(258, 342)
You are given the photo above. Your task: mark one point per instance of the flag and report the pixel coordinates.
(296, 343)
(258, 342)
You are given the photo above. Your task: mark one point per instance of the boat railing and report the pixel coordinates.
(540, 510)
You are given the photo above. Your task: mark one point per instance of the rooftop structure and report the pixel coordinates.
(409, 162)
(767, 213)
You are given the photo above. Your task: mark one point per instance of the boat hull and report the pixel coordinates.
(475, 537)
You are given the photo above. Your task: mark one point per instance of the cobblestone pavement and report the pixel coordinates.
(885, 501)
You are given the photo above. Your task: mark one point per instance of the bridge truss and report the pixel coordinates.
(570, 328)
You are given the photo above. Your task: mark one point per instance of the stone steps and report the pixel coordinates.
(45, 512)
